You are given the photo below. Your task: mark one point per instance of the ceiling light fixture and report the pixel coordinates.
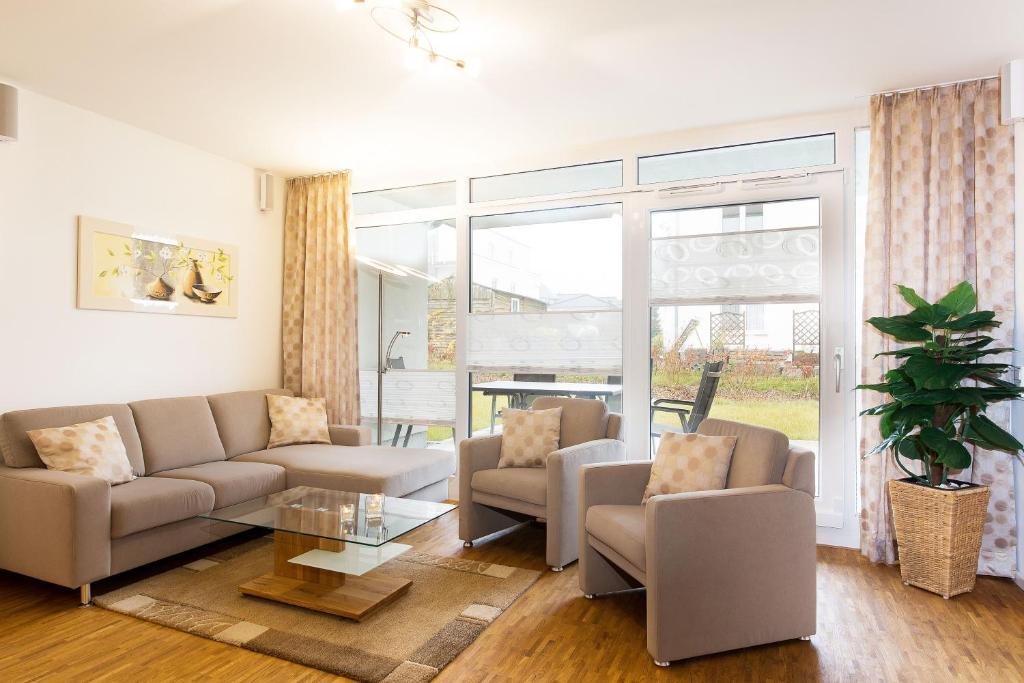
(414, 22)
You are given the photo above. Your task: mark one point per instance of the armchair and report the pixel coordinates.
(492, 499)
(723, 569)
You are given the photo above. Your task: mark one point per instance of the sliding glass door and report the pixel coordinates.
(407, 332)
(746, 324)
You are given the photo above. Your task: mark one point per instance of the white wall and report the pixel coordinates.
(68, 162)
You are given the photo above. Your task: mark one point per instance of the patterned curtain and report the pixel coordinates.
(319, 298)
(940, 210)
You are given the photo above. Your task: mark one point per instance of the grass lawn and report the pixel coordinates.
(797, 419)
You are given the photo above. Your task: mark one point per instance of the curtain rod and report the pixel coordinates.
(888, 93)
(326, 174)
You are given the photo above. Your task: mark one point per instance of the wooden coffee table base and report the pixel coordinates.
(345, 595)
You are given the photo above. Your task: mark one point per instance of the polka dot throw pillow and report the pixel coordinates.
(528, 436)
(94, 449)
(690, 462)
(297, 420)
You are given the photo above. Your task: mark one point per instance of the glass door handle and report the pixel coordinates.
(837, 363)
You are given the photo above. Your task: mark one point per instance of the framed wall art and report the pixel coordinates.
(125, 268)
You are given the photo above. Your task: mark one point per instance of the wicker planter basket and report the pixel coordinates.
(939, 535)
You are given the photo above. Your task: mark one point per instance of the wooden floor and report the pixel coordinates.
(870, 628)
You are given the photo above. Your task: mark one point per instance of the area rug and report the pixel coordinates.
(449, 604)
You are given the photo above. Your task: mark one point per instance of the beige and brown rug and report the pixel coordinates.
(450, 603)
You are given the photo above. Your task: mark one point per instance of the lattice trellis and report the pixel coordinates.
(728, 330)
(806, 329)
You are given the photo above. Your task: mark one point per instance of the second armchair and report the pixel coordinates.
(493, 499)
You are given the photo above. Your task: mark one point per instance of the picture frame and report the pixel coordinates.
(125, 268)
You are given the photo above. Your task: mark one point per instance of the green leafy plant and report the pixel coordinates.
(938, 395)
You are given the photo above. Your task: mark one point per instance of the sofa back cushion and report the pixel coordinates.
(177, 432)
(759, 457)
(583, 419)
(19, 451)
(242, 419)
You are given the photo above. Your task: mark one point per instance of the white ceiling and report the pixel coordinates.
(297, 86)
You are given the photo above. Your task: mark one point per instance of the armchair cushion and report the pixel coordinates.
(621, 528)
(759, 457)
(529, 484)
(582, 419)
(528, 436)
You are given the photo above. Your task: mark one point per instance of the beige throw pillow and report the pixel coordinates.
(297, 420)
(690, 462)
(94, 449)
(528, 436)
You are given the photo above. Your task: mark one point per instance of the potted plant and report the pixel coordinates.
(936, 405)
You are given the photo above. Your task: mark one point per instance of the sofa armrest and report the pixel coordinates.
(54, 525)
(350, 435)
(799, 473)
(728, 569)
(619, 483)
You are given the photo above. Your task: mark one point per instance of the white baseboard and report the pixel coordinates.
(1018, 579)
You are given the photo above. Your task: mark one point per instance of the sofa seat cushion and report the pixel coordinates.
(361, 469)
(529, 484)
(233, 482)
(149, 502)
(621, 528)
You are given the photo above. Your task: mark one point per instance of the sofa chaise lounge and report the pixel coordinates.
(191, 455)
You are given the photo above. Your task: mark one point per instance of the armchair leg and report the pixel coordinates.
(805, 637)
(467, 544)
(589, 596)
(557, 569)
(658, 663)
(85, 594)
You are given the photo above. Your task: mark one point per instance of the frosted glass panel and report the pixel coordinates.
(423, 397)
(548, 181)
(404, 198)
(817, 150)
(769, 265)
(568, 342)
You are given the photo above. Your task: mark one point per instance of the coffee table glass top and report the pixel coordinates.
(339, 515)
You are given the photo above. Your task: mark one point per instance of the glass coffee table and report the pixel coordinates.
(327, 544)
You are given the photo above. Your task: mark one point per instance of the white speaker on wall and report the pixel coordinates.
(266, 193)
(1012, 89)
(8, 113)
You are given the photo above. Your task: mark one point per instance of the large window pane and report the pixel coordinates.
(816, 150)
(406, 281)
(546, 308)
(550, 181)
(550, 260)
(404, 198)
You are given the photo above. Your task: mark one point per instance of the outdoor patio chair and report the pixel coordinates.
(691, 413)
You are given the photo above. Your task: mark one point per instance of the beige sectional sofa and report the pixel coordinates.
(191, 455)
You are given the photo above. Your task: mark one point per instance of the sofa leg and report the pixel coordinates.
(662, 663)
(85, 594)
(589, 596)
(805, 637)
(557, 569)
(467, 544)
